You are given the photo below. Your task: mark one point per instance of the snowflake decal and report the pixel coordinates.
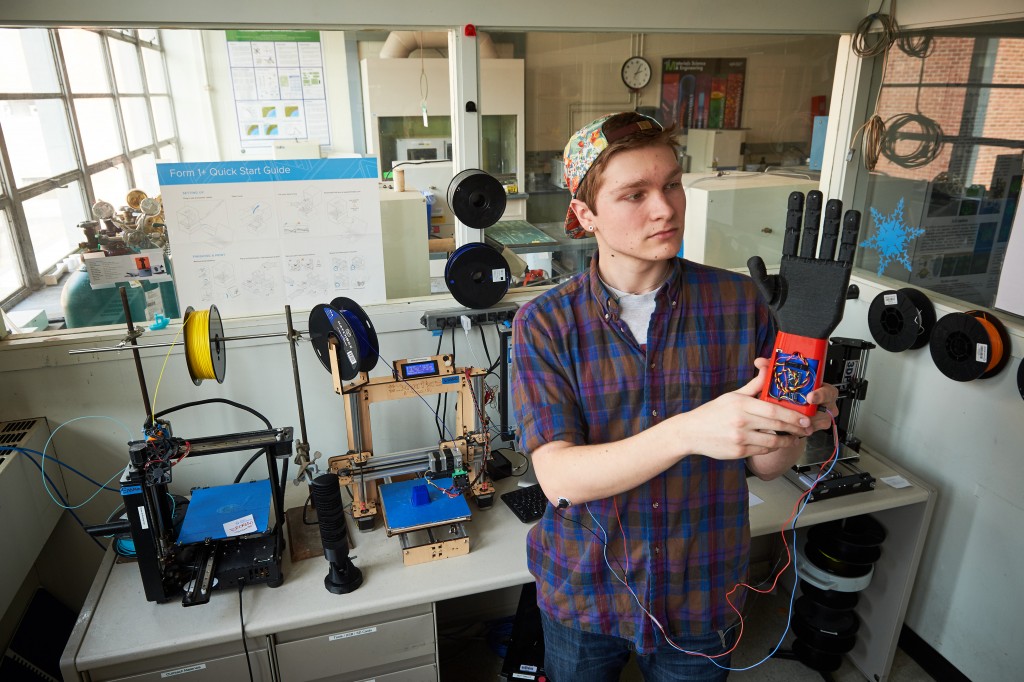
(891, 239)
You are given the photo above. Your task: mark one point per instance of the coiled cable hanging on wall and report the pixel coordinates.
(916, 43)
(929, 140)
(871, 44)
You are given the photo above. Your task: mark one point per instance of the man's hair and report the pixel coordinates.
(646, 138)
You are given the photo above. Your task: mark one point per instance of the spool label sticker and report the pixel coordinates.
(890, 299)
(351, 357)
(981, 352)
(498, 275)
(246, 524)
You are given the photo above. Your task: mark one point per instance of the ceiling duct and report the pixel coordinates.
(401, 44)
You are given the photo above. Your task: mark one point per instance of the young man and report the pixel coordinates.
(636, 389)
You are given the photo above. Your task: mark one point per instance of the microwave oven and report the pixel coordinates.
(423, 149)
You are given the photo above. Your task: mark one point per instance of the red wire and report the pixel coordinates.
(785, 544)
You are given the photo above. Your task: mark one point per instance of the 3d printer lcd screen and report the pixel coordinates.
(419, 369)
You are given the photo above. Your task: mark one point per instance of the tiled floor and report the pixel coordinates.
(466, 656)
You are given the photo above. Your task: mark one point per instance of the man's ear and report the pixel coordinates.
(583, 212)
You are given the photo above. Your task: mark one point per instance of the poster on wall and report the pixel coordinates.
(1010, 293)
(252, 236)
(278, 82)
(702, 92)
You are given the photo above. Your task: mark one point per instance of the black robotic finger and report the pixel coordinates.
(812, 220)
(851, 227)
(830, 229)
(794, 215)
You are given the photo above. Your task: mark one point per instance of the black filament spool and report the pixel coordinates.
(961, 346)
(901, 320)
(821, 641)
(826, 562)
(477, 275)
(366, 335)
(838, 623)
(816, 659)
(476, 198)
(856, 540)
(829, 598)
(1020, 378)
(325, 323)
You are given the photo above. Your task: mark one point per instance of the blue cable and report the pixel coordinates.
(796, 572)
(26, 451)
(42, 469)
(63, 464)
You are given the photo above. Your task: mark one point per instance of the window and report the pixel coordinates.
(114, 103)
(944, 193)
(75, 127)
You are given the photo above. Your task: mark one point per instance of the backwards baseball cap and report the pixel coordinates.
(587, 144)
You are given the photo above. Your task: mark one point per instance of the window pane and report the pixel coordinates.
(10, 273)
(168, 153)
(84, 60)
(136, 122)
(38, 139)
(154, 63)
(98, 124)
(110, 185)
(162, 116)
(127, 74)
(150, 35)
(52, 223)
(144, 168)
(946, 187)
(28, 61)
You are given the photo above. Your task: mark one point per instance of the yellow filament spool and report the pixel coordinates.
(205, 351)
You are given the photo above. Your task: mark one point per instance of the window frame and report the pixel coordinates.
(13, 197)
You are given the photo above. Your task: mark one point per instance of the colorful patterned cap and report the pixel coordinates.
(587, 144)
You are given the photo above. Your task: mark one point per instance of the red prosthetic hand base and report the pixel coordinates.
(796, 369)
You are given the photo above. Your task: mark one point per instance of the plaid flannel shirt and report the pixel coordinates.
(580, 376)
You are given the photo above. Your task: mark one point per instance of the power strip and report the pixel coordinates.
(452, 317)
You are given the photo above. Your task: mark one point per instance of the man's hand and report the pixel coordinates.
(738, 425)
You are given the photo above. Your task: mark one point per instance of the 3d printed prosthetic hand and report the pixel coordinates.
(807, 296)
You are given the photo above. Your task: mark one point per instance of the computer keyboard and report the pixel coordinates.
(528, 503)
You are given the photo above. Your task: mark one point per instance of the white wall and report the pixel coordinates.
(965, 439)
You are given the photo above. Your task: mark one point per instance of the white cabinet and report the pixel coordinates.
(398, 645)
(731, 217)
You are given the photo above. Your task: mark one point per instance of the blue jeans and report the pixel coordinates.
(571, 655)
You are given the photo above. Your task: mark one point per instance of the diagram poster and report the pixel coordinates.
(278, 83)
(702, 93)
(252, 236)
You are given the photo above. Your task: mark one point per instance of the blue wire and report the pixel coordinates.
(63, 464)
(26, 451)
(796, 572)
(42, 469)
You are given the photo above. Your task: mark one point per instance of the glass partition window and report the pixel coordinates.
(65, 139)
(945, 190)
(138, 98)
